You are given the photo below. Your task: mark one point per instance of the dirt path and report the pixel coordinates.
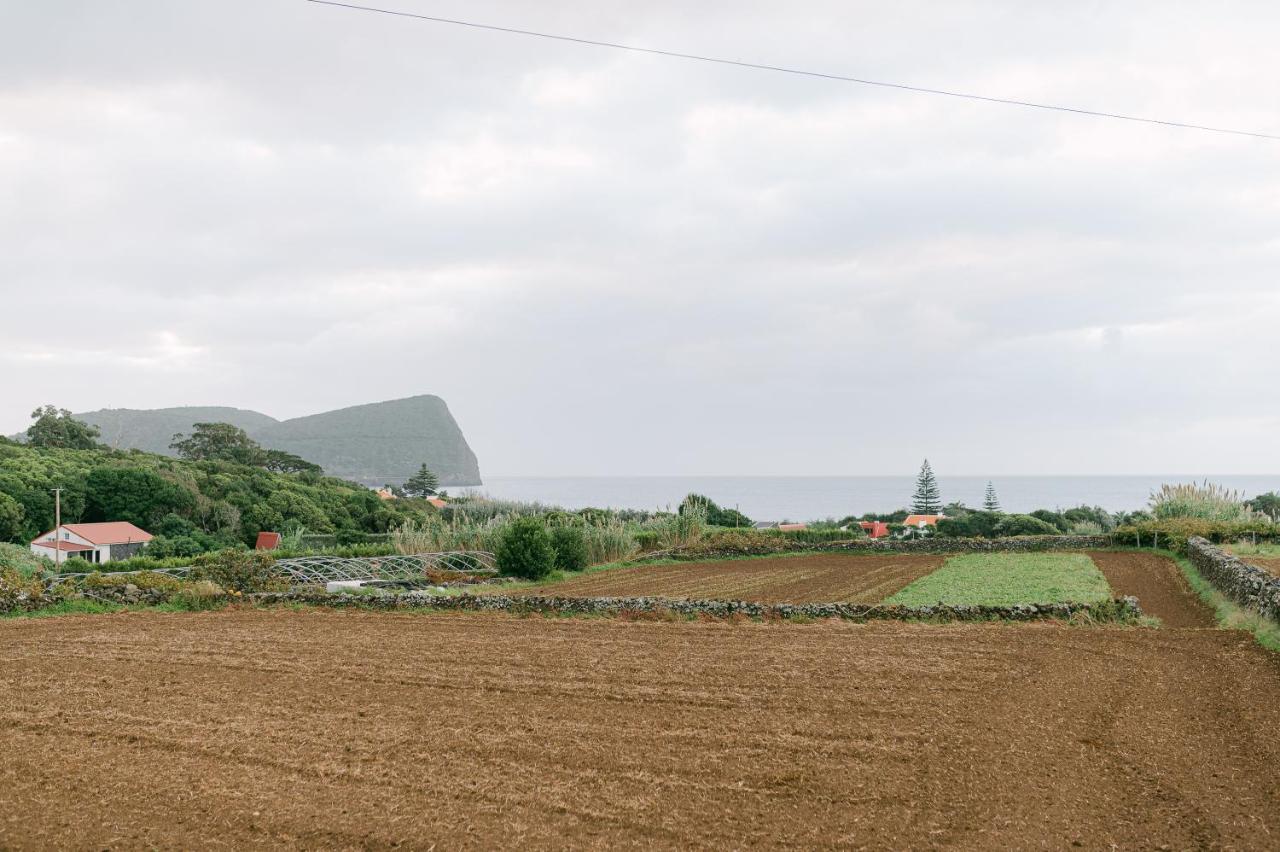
(310, 729)
(819, 578)
(1158, 585)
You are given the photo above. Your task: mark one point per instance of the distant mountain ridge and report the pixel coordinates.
(372, 444)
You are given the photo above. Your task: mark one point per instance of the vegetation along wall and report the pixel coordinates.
(1246, 584)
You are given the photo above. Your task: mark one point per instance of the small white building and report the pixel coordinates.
(96, 543)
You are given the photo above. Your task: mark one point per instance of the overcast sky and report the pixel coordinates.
(613, 263)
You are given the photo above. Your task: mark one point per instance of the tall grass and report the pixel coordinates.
(1206, 501)
(436, 535)
(681, 529)
(14, 557)
(608, 539)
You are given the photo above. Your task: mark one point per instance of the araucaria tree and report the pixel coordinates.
(991, 502)
(424, 483)
(927, 499)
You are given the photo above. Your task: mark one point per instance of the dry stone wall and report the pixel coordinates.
(1121, 609)
(1247, 585)
(937, 544)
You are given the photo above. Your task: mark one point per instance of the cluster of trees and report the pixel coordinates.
(964, 523)
(1267, 504)
(224, 442)
(222, 492)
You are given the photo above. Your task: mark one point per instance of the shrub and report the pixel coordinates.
(1207, 502)
(682, 529)
(713, 513)
(246, 571)
(525, 550)
(17, 591)
(21, 560)
(1054, 519)
(143, 580)
(1174, 533)
(570, 547)
(647, 540)
(1025, 525)
(197, 595)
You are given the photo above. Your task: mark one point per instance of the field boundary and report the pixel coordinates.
(931, 545)
(1122, 610)
(1247, 585)
(939, 544)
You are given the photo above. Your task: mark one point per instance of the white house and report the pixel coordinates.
(96, 543)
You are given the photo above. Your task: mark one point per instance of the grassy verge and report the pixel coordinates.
(78, 607)
(1005, 579)
(1268, 549)
(1230, 614)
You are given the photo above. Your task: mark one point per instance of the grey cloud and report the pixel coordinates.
(667, 267)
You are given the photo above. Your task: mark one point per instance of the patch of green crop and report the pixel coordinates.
(1004, 579)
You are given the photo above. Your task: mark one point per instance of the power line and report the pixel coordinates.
(796, 71)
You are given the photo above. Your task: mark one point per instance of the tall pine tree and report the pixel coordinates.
(927, 499)
(424, 483)
(991, 502)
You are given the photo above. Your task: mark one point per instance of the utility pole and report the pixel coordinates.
(57, 530)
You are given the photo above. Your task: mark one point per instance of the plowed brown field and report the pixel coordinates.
(1158, 585)
(250, 728)
(818, 578)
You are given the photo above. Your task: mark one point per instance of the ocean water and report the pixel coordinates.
(807, 498)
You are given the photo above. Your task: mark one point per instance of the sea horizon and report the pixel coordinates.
(817, 497)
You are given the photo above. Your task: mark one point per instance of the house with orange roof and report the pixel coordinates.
(922, 521)
(95, 543)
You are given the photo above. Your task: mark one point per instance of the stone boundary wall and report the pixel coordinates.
(1124, 610)
(1019, 544)
(1121, 609)
(1247, 585)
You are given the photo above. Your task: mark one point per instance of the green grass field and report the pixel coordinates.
(1002, 579)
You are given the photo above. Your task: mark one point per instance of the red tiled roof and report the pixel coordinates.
(267, 541)
(917, 520)
(64, 546)
(112, 532)
(876, 529)
(437, 502)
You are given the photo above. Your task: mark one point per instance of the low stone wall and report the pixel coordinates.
(1120, 609)
(1247, 585)
(940, 544)
(933, 544)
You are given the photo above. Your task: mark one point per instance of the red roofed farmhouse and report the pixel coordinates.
(96, 543)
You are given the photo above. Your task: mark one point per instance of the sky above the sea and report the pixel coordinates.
(613, 263)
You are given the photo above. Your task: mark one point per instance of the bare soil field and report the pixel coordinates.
(1158, 585)
(312, 728)
(1266, 563)
(817, 578)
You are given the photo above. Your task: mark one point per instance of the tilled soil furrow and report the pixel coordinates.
(349, 729)
(1158, 584)
(819, 578)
